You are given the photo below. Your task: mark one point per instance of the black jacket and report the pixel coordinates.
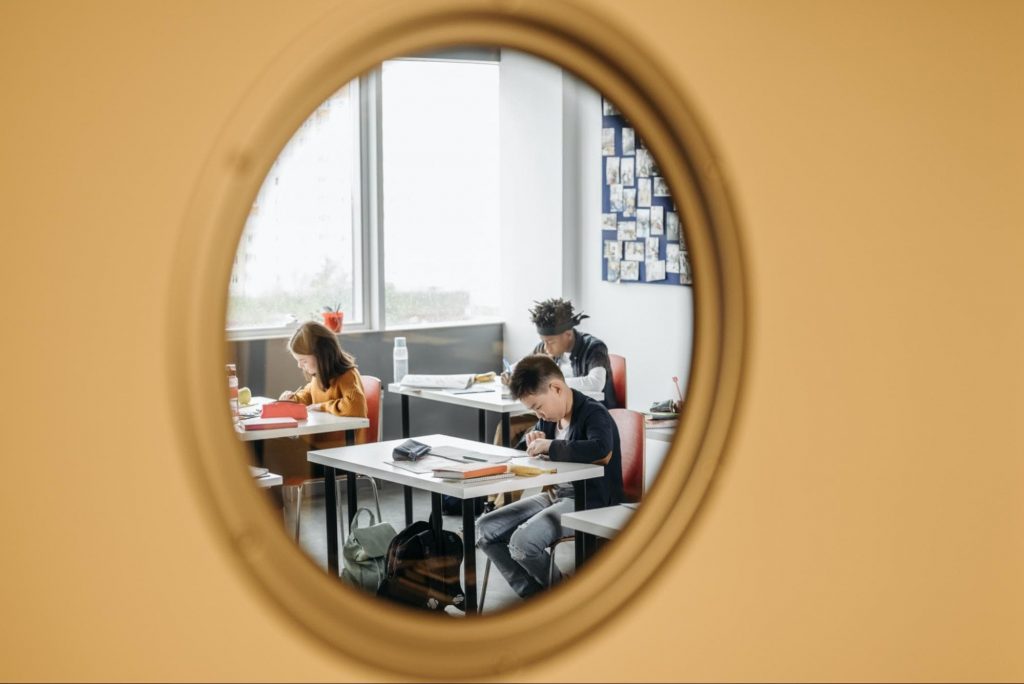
(591, 435)
(589, 352)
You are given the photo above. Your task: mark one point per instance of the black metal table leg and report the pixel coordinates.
(435, 514)
(506, 429)
(405, 416)
(582, 552)
(350, 490)
(469, 552)
(331, 514)
(408, 504)
(481, 422)
(257, 453)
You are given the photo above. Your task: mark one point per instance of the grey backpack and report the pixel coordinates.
(364, 552)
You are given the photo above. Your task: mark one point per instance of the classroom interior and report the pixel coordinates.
(524, 223)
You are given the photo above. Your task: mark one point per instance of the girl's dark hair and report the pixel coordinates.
(533, 374)
(316, 340)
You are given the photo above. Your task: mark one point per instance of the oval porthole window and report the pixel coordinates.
(436, 235)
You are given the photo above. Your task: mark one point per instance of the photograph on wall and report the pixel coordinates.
(660, 187)
(643, 192)
(613, 249)
(627, 141)
(634, 251)
(629, 270)
(643, 163)
(672, 226)
(626, 171)
(608, 109)
(653, 248)
(615, 198)
(643, 222)
(672, 258)
(608, 142)
(626, 230)
(685, 274)
(608, 221)
(613, 271)
(654, 270)
(629, 202)
(611, 171)
(658, 220)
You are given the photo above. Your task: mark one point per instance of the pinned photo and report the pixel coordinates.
(643, 189)
(626, 230)
(613, 271)
(672, 226)
(608, 142)
(612, 249)
(643, 222)
(654, 270)
(611, 171)
(643, 163)
(661, 187)
(629, 202)
(672, 258)
(685, 273)
(630, 270)
(608, 109)
(634, 251)
(653, 248)
(628, 146)
(657, 220)
(615, 198)
(609, 221)
(626, 171)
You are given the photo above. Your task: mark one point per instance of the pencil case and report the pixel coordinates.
(284, 409)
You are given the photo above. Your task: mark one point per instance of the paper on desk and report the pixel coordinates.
(424, 465)
(462, 381)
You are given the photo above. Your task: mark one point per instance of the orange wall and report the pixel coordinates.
(867, 523)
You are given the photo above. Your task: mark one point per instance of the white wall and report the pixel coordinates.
(551, 241)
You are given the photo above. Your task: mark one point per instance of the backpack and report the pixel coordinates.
(422, 571)
(364, 551)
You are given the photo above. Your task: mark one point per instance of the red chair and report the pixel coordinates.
(619, 378)
(294, 487)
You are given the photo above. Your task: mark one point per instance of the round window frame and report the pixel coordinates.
(335, 51)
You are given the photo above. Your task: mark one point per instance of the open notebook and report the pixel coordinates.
(453, 453)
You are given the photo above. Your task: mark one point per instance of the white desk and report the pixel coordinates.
(375, 460)
(483, 396)
(601, 522)
(268, 480)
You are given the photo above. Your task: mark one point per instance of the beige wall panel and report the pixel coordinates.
(867, 522)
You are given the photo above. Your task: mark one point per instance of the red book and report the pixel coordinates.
(270, 423)
(469, 471)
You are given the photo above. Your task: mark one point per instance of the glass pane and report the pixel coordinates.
(441, 212)
(297, 252)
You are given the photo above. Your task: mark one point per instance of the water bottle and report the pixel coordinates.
(400, 356)
(233, 391)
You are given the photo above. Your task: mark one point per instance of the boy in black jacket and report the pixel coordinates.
(572, 427)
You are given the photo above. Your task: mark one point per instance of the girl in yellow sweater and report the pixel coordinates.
(334, 383)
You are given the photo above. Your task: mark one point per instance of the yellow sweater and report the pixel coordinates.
(343, 398)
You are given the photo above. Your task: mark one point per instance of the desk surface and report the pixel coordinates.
(482, 395)
(602, 522)
(318, 422)
(375, 460)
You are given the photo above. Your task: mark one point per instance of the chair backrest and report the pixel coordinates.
(632, 436)
(371, 388)
(619, 378)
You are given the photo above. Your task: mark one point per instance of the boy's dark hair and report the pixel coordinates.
(555, 316)
(533, 374)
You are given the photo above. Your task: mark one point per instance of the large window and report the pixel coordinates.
(300, 250)
(432, 143)
(440, 171)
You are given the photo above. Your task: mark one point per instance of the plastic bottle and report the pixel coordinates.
(400, 356)
(233, 391)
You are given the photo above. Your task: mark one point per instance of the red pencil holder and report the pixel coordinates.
(333, 320)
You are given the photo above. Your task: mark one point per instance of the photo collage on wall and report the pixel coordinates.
(641, 234)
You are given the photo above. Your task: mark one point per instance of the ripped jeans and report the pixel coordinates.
(516, 538)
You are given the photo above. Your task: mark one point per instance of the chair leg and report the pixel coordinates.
(292, 497)
(483, 585)
(341, 515)
(376, 498)
(551, 568)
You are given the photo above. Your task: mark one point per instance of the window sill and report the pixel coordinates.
(252, 334)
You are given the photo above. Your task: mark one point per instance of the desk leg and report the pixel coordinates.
(405, 416)
(350, 484)
(408, 504)
(584, 542)
(506, 429)
(435, 514)
(257, 453)
(469, 552)
(481, 425)
(331, 513)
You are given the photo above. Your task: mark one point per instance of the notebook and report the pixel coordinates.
(269, 423)
(468, 471)
(453, 453)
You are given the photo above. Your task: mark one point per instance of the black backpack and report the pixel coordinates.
(422, 571)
